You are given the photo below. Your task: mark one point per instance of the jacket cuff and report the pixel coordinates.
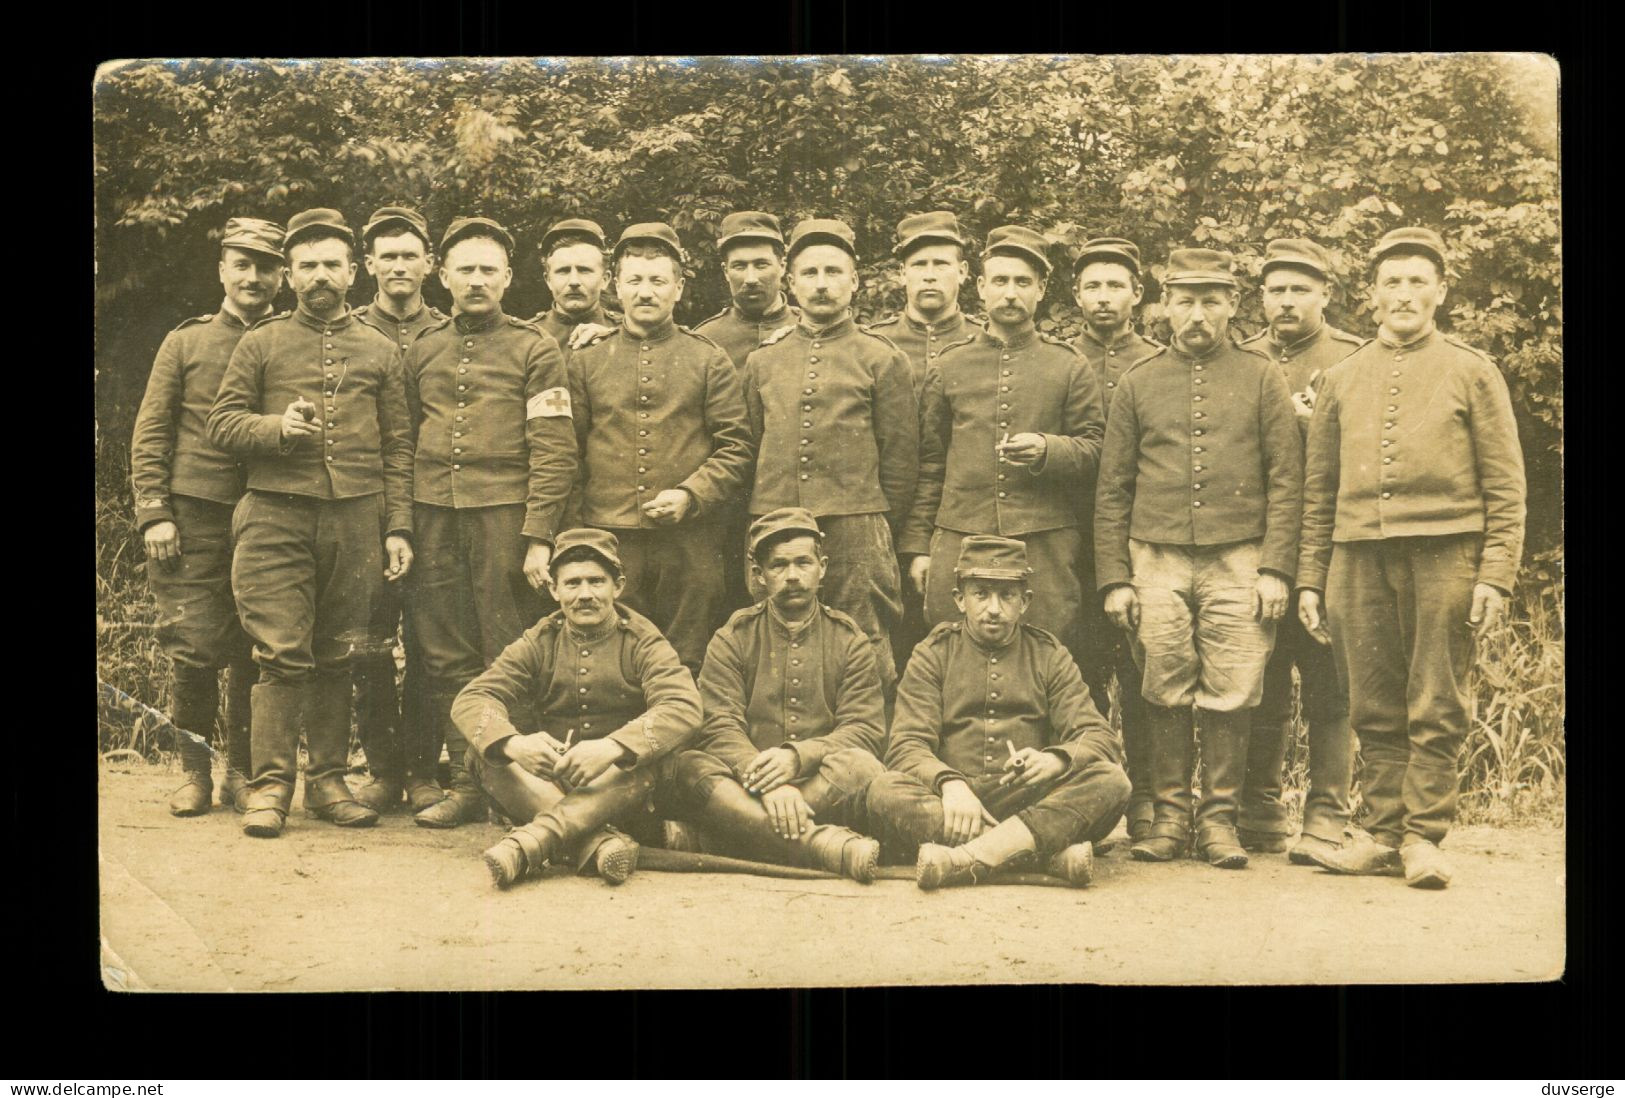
(809, 755)
(269, 433)
(1280, 563)
(1268, 570)
(151, 511)
(399, 522)
(537, 529)
(945, 775)
(1499, 578)
(1108, 578)
(1311, 575)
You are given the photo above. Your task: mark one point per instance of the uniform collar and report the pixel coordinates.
(840, 328)
(1302, 343)
(376, 305)
(1024, 338)
(1218, 348)
(236, 320)
(1128, 335)
(658, 334)
(1420, 341)
(795, 630)
(588, 636)
(311, 320)
(970, 638)
(468, 324)
(952, 324)
(565, 320)
(779, 311)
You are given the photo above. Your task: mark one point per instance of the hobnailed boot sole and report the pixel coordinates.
(936, 867)
(263, 823)
(1075, 865)
(1226, 857)
(506, 863)
(617, 859)
(859, 860)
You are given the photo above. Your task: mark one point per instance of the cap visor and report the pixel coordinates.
(991, 574)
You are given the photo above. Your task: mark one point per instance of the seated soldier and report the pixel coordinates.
(995, 727)
(614, 703)
(794, 717)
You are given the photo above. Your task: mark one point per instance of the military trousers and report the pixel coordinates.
(835, 790)
(1057, 596)
(198, 627)
(1397, 610)
(306, 575)
(1082, 805)
(392, 724)
(469, 598)
(675, 577)
(863, 582)
(1107, 651)
(1324, 703)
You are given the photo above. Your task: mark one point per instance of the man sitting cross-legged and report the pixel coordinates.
(794, 718)
(613, 702)
(997, 753)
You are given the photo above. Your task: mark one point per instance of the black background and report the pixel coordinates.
(64, 1026)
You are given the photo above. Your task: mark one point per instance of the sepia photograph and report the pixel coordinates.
(829, 521)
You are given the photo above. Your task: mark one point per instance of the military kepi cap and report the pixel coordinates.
(1019, 240)
(1411, 239)
(823, 230)
(253, 234)
(316, 223)
(1109, 249)
(938, 226)
(652, 232)
(475, 226)
(573, 226)
(749, 225)
(983, 556)
(400, 216)
(1297, 253)
(1199, 267)
(583, 542)
(786, 520)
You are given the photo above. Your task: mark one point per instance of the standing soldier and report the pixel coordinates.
(750, 247)
(931, 248)
(494, 462)
(660, 421)
(1196, 529)
(979, 687)
(314, 402)
(402, 750)
(833, 412)
(612, 703)
(794, 716)
(1415, 551)
(573, 262)
(1297, 289)
(185, 488)
(1107, 286)
(1012, 426)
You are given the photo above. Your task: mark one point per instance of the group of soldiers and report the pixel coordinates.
(795, 589)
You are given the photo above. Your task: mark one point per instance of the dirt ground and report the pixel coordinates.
(196, 905)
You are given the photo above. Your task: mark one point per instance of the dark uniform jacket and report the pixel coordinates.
(491, 411)
(352, 373)
(836, 423)
(170, 450)
(561, 328)
(1111, 361)
(663, 411)
(813, 688)
(960, 705)
(402, 330)
(981, 390)
(1414, 440)
(1200, 451)
(740, 336)
(921, 342)
(1305, 361)
(624, 683)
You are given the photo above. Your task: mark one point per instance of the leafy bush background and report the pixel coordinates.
(1222, 151)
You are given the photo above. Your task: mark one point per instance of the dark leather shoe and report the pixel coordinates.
(454, 809)
(506, 861)
(422, 793)
(1263, 842)
(234, 790)
(1075, 865)
(1159, 848)
(328, 798)
(1363, 857)
(1425, 866)
(1303, 851)
(264, 823)
(195, 797)
(378, 794)
(1222, 848)
(940, 866)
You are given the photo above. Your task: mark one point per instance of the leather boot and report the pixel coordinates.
(611, 853)
(278, 711)
(327, 735)
(1075, 865)
(1224, 768)
(240, 680)
(523, 853)
(1004, 844)
(463, 803)
(195, 698)
(1171, 736)
(377, 793)
(732, 818)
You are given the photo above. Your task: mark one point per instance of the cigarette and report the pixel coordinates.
(568, 734)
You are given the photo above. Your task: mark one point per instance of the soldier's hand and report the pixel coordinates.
(163, 541)
(586, 333)
(669, 507)
(299, 420)
(789, 812)
(1123, 607)
(1488, 604)
(1312, 613)
(1030, 766)
(1027, 448)
(919, 572)
(771, 769)
(1304, 404)
(537, 753)
(962, 813)
(586, 760)
(1269, 597)
(537, 558)
(397, 557)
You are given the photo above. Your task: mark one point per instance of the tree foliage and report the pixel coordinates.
(1219, 151)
